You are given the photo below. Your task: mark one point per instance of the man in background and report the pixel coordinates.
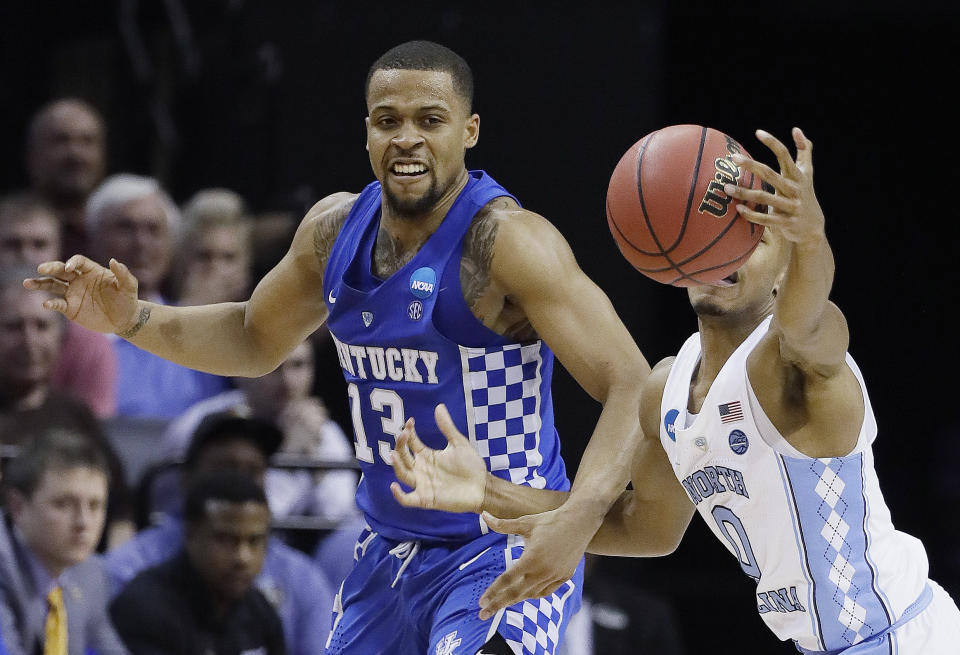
(203, 600)
(289, 579)
(56, 498)
(66, 160)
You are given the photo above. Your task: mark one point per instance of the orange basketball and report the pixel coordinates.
(667, 210)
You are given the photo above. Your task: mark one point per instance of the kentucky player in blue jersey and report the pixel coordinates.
(761, 423)
(438, 288)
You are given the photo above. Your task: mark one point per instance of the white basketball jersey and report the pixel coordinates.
(815, 534)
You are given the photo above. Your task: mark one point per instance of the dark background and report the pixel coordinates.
(267, 99)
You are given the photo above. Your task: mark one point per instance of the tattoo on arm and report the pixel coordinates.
(477, 258)
(141, 321)
(326, 231)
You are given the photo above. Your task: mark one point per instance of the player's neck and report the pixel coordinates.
(719, 338)
(410, 231)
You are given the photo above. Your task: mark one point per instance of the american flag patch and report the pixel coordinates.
(730, 412)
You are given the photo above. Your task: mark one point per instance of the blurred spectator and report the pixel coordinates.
(86, 368)
(335, 552)
(213, 259)
(66, 159)
(30, 338)
(284, 398)
(132, 219)
(289, 579)
(203, 601)
(52, 593)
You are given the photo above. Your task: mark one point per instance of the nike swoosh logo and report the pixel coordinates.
(471, 561)
(331, 297)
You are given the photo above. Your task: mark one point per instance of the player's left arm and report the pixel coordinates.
(535, 268)
(811, 330)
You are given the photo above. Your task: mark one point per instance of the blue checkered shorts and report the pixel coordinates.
(419, 598)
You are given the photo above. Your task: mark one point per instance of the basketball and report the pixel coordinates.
(667, 210)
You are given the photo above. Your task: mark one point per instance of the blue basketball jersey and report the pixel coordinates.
(410, 342)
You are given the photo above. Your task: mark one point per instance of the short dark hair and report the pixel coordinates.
(49, 450)
(225, 426)
(227, 486)
(427, 56)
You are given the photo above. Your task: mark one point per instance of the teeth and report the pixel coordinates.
(409, 169)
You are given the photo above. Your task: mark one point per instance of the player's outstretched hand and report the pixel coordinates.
(452, 479)
(793, 209)
(98, 298)
(554, 543)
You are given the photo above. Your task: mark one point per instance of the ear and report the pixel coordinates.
(471, 131)
(366, 122)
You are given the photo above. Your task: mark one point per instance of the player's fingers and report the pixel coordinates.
(48, 284)
(403, 461)
(804, 151)
(125, 280)
(506, 526)
(760, 218)
(781, 184)
(56, 304)
(80, 265)
(780, 203)
(416, 446)
(52, 269)
(787, 166)
(509, 588)
(411, 499)
(446, 425)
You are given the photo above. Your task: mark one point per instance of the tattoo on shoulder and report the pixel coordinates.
(141, 321)
(327, 228)
(478, 256)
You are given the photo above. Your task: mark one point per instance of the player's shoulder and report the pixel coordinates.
(515, 231)
(651, 396)
(322, 223)
(331, 211)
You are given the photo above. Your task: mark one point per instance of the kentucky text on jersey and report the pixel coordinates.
(398, 364)
(710, 480)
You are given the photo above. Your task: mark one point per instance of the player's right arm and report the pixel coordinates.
(647, 520)
(650, 518)
(237, 339)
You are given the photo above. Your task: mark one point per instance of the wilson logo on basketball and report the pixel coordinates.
(715, 201)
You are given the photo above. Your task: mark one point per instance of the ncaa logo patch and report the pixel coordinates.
(367, 318)
(738, 442)
(415, 310)
(422, 282)
(668, 421)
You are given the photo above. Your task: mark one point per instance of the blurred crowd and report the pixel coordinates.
(150, 508)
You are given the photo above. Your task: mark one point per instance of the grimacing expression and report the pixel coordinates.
(754, 282)
(418, 130)
(67, 156)
(62, 520)
(229, 545)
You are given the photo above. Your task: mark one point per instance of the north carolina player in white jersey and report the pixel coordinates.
(764, 419)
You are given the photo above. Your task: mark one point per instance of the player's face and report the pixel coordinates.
(751, 289)
(62, 521)
(228, 547)
(418, 130)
